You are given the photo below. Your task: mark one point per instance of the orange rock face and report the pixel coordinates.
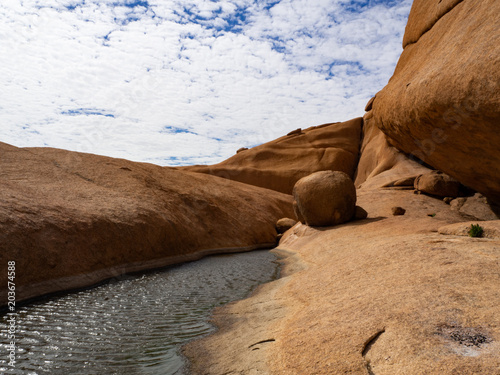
(379, 159)
(443, 102)
(70, 220)
(279, 164)
(424, 14)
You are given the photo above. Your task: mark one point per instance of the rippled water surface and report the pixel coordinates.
(135, 325)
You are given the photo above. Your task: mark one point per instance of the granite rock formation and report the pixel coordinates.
(408, 294)
(70, 220)
(442, 103)
(386, 295)
(381, 160)
(279, 164)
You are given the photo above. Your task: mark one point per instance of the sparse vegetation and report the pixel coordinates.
(476, 230)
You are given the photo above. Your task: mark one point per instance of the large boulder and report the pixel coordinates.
(477, 207)
(437, 183)
(325, 198)
(279, 164)
(442, 105)
(70, 220)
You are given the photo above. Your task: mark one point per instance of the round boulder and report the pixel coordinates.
(325, 198)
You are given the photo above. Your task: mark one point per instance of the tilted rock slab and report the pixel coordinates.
(279, 164)
(379, 163)
(443, 102)
(70, 220)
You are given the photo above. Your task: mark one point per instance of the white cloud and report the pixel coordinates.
(167, 83)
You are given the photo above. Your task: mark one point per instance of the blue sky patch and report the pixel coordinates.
(71, 7)
(233, 22)
(135, 3)
(270, 4)
(176, 130)
(359, 5)
(86, 112)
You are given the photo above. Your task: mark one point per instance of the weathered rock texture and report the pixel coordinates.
(325, 198)
(279, 164)
(442, 103)
(70, 220)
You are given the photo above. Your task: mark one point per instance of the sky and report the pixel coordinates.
(174, 82)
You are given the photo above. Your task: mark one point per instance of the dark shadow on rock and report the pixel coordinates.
(352, 223)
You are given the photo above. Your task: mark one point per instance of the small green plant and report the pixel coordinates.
(475, 230)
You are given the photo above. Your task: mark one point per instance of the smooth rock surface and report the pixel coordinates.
(325, 198)
(70, 220)
(387, 295)
(442, 103)
(279, 164)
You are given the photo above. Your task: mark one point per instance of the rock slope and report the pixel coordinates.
(279, 164)
(442, 103)
(70, 220)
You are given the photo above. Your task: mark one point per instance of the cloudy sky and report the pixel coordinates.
(176, 82)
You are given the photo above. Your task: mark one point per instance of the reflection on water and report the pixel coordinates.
(135, 325)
